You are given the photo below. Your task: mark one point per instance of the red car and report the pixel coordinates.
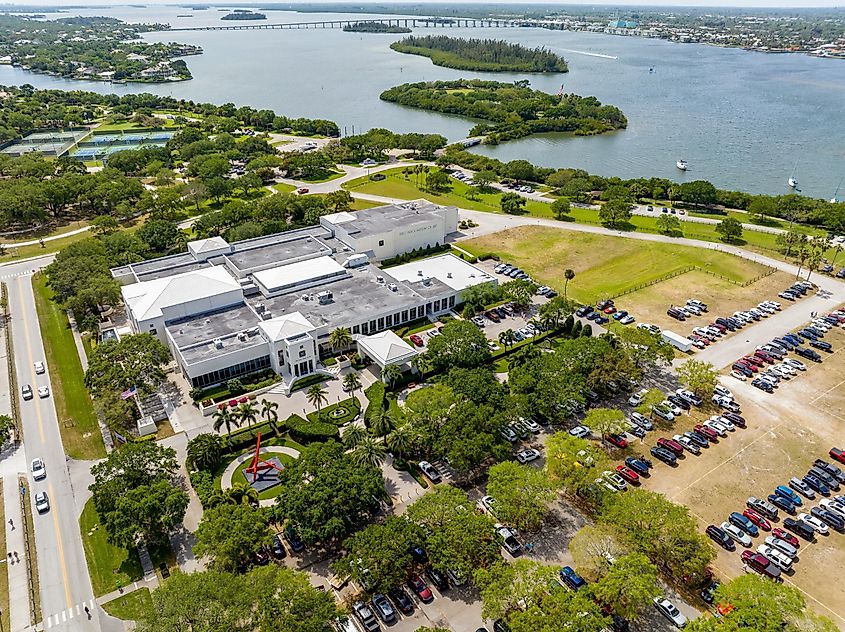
(761, 564)
(711, 434)
(421, 589)
(837, 454)
(748, 365)
(764, 356)
(670, 444)
(628, 474)
(416, 340)
(302, 190)
(786, 536)
(610, 309)
(754, 360)
(757, 519)
(493, 316)
(616, 440)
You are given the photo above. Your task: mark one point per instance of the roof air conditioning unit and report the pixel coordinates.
(449, 275)
(241, 335)
(207, 321)
(260, 307)
(218, 343)
(304, 297)
(419, 272)
(267, 315)
(325, 297)
(393, 287)
(380, 279)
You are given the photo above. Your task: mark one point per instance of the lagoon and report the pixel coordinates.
(742, 120)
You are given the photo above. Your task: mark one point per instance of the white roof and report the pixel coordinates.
(449, 269)
(386, 348)
(338, 218)
(147, 299)
(299, 273)
(211, 244)
(287, 326)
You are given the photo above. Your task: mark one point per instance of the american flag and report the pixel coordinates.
(129, 393)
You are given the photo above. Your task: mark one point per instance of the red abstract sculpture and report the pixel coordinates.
(258, 463)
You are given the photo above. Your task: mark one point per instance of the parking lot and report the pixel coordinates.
(787, 431)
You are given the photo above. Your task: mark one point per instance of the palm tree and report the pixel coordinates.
(568, 274)
(248, 413)
(268, 411)
(421, 363)
(225, 417)
(316, 396)
(401, 440)
(351, 382)
(340, 338)
(369, 452)
(382, 423)
(354, 435)
(391, 374)
(507, 338)
(242, 494)
(205, 451)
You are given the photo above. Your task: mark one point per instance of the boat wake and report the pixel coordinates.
(582, 52)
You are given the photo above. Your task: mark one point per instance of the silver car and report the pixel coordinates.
(670, 611)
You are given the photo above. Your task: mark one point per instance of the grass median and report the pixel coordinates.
(77, 421)
(108, 565)
(132, 606)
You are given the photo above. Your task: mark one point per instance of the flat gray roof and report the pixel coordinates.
(277, 252)
(385, 219)
(194, 336)
(355, 298)
(158, 273)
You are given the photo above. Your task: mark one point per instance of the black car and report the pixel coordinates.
(829, 517)
(500, 626)
(708, 595)
(401, 599)
(292, 536)
(831, 469)
(822, 474)
(697, 438)
(779, 501)
(664, 455)
(277, 548)
(679, 402)
(817, 485)
(734, 418)
(418, 554)
(437, 578)
(742, 369)
(619, 624)
(261, 557)
(721, 538)
(821, 344)
(763, 386)
(799, 528)
(583, 311)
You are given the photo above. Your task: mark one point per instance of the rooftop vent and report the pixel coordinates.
(380, 279)
(242, 335)
(304, 297)
(260, 307)
(426, 281)
(207, 321)
(393, 287)
(218, 343)
(267, 315)
(419, 272)
(181, 331)
(448, 275)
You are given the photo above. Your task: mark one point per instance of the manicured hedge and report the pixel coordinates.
(306, 431)
(246, 437)
(375, 396)
(352, 406)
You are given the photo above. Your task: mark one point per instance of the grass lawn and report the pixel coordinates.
(108, 565)
(126, 126)
(14, 253)
(132, 606)
(360, 205)
(48, 231)
(603, 265)
(77, 422)
(31, 551)
(332, 175)
(281, 187)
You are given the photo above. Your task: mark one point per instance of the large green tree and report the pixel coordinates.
(628, 586)
(508, 587)
(133, 361)
(522, 495)
(326, 494)
(137, 495)
(699, 377)
(228, 534)
(460, 344)
(615, 213)
(379, 556)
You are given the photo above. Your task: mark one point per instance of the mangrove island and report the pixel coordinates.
(510, 110)
(483, 55)
(375, 27)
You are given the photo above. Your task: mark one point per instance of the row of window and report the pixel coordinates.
(237, 370)
(407, 315)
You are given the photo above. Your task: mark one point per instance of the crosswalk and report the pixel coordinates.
(68, 615)
(16, 274)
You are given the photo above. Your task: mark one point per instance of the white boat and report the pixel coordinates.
(835, 197)
(793, 183)
(682, 165)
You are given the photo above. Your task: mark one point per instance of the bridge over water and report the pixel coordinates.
(432, 22)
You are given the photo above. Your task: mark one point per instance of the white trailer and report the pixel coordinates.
(676, 340)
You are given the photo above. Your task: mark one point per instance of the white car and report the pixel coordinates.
(724, 421)
(526, 456)
(780, 558)
(489, 503)
(738, 375)
(716, 427)
(43, 392)
(510, 541)
(637, 398)
(582, 432)
(782, 545)
(670, 611)
(531, 425)
(676, 410)
(797, 364)
(723, 391)
(42, 503)
(736, 534)
(39, 367)
(833, 506)
(811, 521)
(614, 479)
(39, 471)
(429, 470)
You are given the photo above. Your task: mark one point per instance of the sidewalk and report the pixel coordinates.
(14, 462)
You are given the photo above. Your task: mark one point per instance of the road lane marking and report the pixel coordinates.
(61, 549)
(32, 368)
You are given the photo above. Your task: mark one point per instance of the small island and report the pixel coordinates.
(482, 55)
(244, 14)
(375, 27)
(510, 110)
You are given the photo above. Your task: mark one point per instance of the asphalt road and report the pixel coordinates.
(63, 573)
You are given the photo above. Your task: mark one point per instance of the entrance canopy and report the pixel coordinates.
(386, 348)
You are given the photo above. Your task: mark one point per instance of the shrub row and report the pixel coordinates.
(306, 431)
(375, 396)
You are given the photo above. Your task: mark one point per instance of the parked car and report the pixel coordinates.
(782, 545)
(828, 517)
(615, 480)
(813, 522)
(708, 432)
(638, 465)
(571, 579)
(761, 564)
(401, 600)
(800, 528)
(664, 455)
(720, 537)
(416, 339)
(365, 616)
(739, 520)
(800, 486)
(292, 536)
(421, 589)
(429, 470)
(782, 502)
(670, 611)
(817, 485)
(628, 474)
(528, 455)
(437, 578)
(783, 490)
(786, 536)
(757, 519)
(837, 455)
(616, 440)
(766, 509)
(778, 557)
(277, 549)
(582, 432)
(509, 540)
